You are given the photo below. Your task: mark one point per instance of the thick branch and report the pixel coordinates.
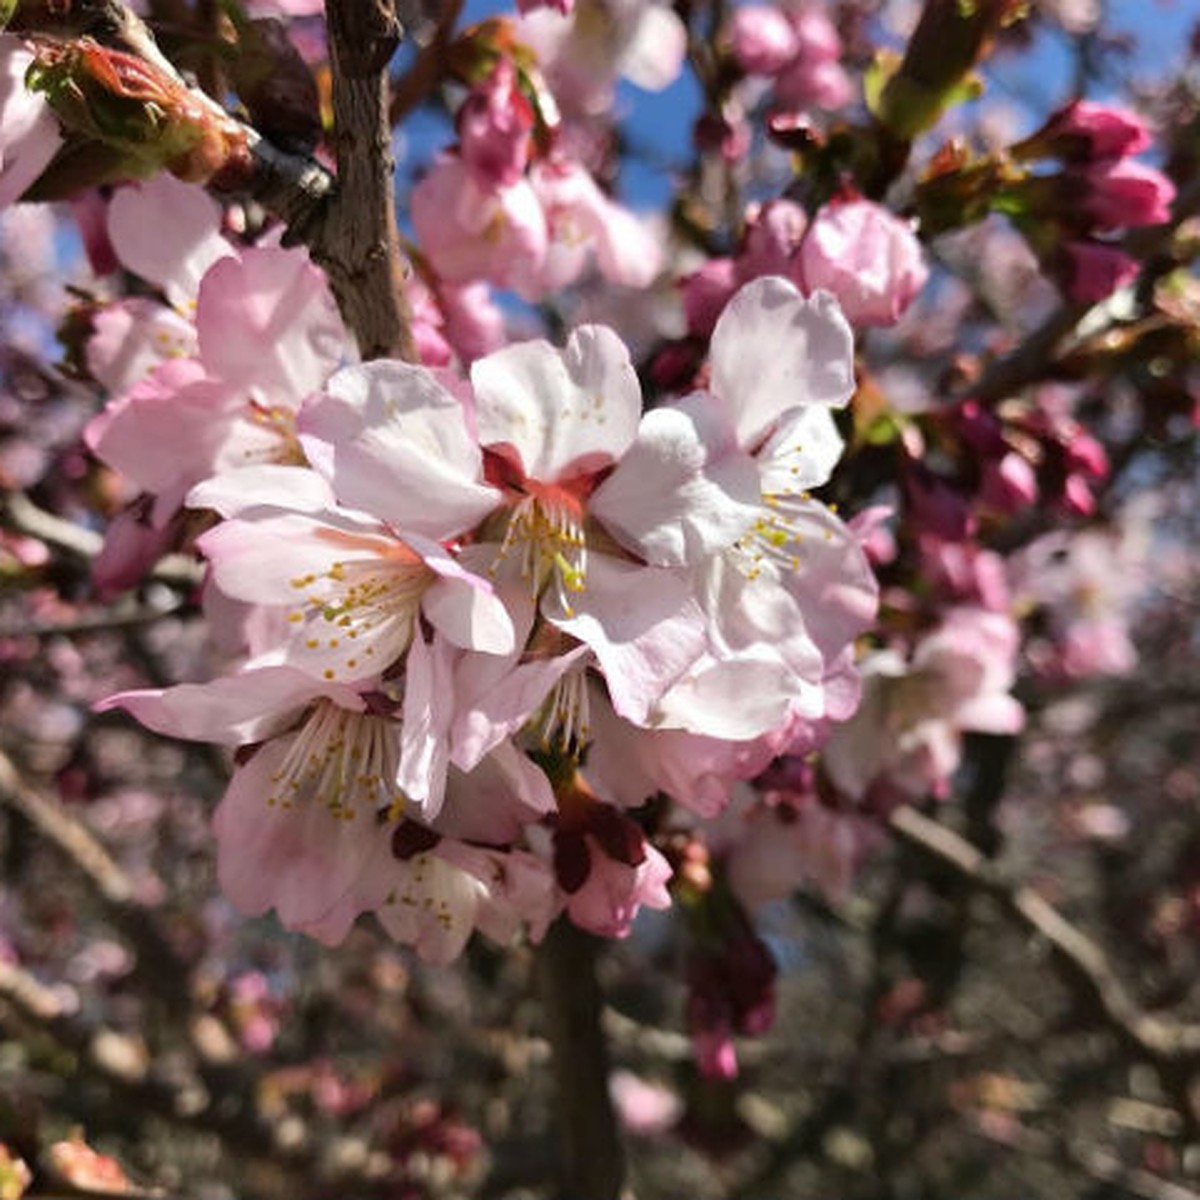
(593, 1160)
(360, 244)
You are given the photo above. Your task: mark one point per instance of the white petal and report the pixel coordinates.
(641, 623)
(773, 350)
(801, 453)
(684, 490)
(394, 443)
(168, 232)
(563, 412)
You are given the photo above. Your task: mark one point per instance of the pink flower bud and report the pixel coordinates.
(1077, 497)
(1086, 456)
(1094, 270)
(773, 233)
(824, 84)
(869, 259)
(1086, 132)
(762, 39)
(1125, 194)
(1010, 484)
(705, 293)
(818, 39)
(494, 125)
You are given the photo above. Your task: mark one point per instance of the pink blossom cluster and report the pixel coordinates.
(859, 252)
(488, 209)
(797, 47)
(450, 592)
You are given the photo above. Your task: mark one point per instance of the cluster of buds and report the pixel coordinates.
(798, 49)
(1069, 217)
(869, 260)
(508, 206)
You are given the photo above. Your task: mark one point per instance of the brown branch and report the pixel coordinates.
(26, 517)
(360, 243)
(593, 1160)
(349, 224)
(1091, 1161)
(1033, 358)
(156, 958)
(1081, 961)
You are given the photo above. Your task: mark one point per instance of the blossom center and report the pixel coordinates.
(774, 542)
(345, 761)
(545, 530)
(366, 607)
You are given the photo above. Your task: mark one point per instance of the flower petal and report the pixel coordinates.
(773, 350)
(684, 490)
(563, 412)
(394, 442)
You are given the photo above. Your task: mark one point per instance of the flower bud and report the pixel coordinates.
(762, 39)
(1085, 132)
(869, 259)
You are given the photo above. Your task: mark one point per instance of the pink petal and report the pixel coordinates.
(564, 412)
(393, 442)
(268, 321)
(168, 232)
(684, 490)
(773, 350)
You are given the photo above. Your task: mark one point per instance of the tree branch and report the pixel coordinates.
(360, 243)
(1081, 961)
(593, 1160)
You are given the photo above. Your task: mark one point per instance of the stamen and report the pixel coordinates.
(562, 723)
(548, 534)
(367, 598)
(344, 761)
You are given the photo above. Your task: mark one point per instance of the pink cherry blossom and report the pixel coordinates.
(583, 55)
(470, 232)
(29, 132)
(494, 127)
(762, 39)
(719, 482)
(582, 220)
(907, 734)
(868, 259)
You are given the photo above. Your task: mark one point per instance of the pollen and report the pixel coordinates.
(545, 535)
(343, 761)
(373, 599)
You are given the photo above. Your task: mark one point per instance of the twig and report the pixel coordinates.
(124, 615)
(26, 517)
(157, 960)
(424, 73)
(360, 242)
(1084, 964)
(1030, 360)
(1097, 1164)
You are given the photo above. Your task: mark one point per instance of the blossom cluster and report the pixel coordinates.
(478, 619)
